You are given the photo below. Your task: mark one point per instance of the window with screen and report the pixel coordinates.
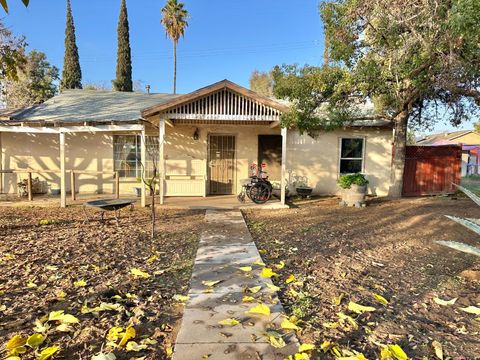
(351, 155)
(127, 155)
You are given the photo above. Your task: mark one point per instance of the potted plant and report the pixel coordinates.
(303, 189)
(354, 189)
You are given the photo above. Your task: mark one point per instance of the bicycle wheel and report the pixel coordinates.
(260, 193)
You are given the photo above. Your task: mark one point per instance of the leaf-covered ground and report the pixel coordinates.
(103, 275)
(383, 253)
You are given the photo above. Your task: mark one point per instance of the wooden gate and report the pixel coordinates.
(221, 160)
(432, 170)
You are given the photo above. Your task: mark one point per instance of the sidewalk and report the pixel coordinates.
(225, 246)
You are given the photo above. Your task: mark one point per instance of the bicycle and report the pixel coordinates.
(257, 187)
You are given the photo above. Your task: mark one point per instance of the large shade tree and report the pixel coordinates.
(36, 82)
(123, 81)
(175, 22)
(12, 55)
(417, 61)
(72, 73)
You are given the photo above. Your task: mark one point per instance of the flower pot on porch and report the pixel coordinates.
(354, 196)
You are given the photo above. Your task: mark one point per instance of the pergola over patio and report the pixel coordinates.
(223, 103)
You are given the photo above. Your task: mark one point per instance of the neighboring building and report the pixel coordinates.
(470, 141)
(208, 140)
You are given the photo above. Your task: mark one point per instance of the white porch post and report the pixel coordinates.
(283, 183)
(161, 158)
(63, 175)
(143, 159)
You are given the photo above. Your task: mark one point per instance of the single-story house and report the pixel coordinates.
(468, 139)
(207, 140)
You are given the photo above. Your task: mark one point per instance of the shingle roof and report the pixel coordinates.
(92, 106)
(443, 138)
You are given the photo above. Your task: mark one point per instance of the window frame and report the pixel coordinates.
(137, 147)
(340, 158)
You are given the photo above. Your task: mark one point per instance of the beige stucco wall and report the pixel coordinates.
(84, 152)
(468, 139)
(315, 159)
(318, 159)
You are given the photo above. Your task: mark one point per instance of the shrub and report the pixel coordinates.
(346, 181)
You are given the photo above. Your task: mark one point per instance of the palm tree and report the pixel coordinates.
(174, 20)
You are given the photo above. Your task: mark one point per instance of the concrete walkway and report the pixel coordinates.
(225, 246)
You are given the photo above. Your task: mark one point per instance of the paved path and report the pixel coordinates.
(225, 246)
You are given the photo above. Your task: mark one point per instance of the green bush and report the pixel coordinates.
(346, 181)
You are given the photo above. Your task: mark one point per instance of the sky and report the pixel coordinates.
(226, 39)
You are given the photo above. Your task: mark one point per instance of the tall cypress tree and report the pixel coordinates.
(123, 82)
(72, 73)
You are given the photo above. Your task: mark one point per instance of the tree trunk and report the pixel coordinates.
(399, 150)
(174, 67)
(152, 214)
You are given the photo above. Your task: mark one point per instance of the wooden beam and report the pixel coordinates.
(169, 123)
(161, 158)
(143, 159)
(233, 118)
(283, 182)
(70, 129)
(117, 185)
(63, 181)
(72, 184)
(274, 124)
(29, 187)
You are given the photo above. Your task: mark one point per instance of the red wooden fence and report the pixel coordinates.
(431, 170)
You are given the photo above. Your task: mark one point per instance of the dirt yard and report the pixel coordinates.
(105, 276)
(383, 253)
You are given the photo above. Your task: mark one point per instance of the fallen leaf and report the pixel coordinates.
(268, 273)
(48, 352)
(290, 279)
(129, 334)
(35, 340)
(245, 268)
(103, 356)
(359, 308)
(15, 342)
(397, 352)
(181, 298)
(80, 283)
(133, 346)
(248, 298)
(280, 265)
(259, 263)
(444, 302)
(273, 287)
(306, 347)
(229, 322)
(254, 289)
(288, 325)
(139, 273)
(151, 259)
(260, 309)
(380, 299)
(210, 283)
(471, 310)
(438, 348)
(337, 300)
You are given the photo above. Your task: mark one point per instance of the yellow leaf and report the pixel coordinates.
(64, 328)
(15, 342)
(133, 346)
(139, 273)
(60, 294)
(181, 298)
(55, 315)
(444, 302)
(31, 284)
(131, 296)
(80, 283)
(245, 268)
(349, 319)
(380, 299)
(288, 325)
(262, 251)
(114, 333)
(254, 289)
(306, 347)
(35, 340)
(40, 327)
(359, 308)
(302, 356)
(260, 309)
(48, 352)
(248, 298)
(267, 273)
(280, 265)
(277, 342)
(438, 349)
(51, 267)
(169, 351)
(63, 318)
(129, 334)
(259, 263)
(273, 287)
(337, 300)
(290, 279)
(326, 345)
(13, 358)
(471, 310)
(151, 259)
(397, 352)
(330, 325)
(229, 322)
(210, 283)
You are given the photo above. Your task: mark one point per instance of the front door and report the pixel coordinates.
(221, 164)
(270, 154)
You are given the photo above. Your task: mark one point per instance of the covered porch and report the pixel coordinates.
(208, 141)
